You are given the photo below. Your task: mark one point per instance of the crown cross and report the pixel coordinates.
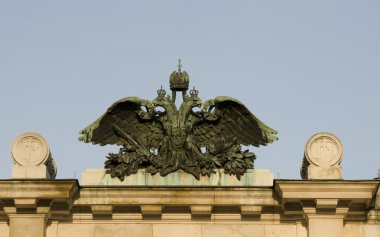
(179, 65)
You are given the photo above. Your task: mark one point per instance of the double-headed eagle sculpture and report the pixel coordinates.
(198, 137)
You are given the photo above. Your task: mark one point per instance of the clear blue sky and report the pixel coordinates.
(300, 66)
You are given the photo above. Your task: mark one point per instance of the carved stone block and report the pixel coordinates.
(322, 158)
(32, 158)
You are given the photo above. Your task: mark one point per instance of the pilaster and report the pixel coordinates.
(325, 205)
(28, 203)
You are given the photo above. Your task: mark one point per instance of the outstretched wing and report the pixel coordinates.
(232, 121)
(123, 117)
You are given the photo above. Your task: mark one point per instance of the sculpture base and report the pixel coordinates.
(30, 172)
(253, 177)
(318, 172)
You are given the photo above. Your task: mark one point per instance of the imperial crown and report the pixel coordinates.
(179, 80)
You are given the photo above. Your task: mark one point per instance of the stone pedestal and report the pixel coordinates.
(317, 172)
(31, 172)
(253, 177)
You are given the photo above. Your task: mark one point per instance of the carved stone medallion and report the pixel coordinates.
(324, 149)
(30, 149)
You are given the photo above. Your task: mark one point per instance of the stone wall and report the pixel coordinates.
(291, 208)
(176, 229)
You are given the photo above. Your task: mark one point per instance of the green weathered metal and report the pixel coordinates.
(164, 141)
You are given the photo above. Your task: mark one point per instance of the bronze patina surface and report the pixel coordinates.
(197, 137)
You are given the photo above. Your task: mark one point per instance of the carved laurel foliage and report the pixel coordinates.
(207, 165)
(236, 162)
(128, 161)
(125, 163)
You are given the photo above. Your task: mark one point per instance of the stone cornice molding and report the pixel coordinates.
(327, 198)
(362, 191)
(289, 200)
(37, 193)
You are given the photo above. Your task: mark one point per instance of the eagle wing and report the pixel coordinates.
(232, 121)
(124, 116)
